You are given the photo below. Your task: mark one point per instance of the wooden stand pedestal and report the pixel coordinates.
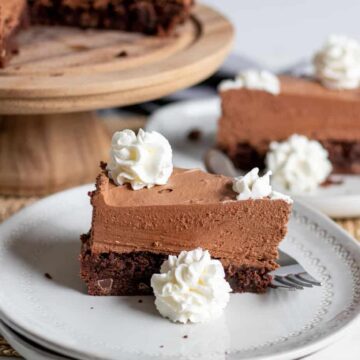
(64, 70)
(41, 154)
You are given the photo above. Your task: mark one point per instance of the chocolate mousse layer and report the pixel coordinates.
(251, 119)
(195, 209)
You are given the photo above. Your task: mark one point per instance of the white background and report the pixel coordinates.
(278, 33)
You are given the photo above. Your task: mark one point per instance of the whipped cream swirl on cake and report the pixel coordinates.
(298, 164)
(337, 64)
(191, 287)
(253, 80)
(253, 186)
(142, 160)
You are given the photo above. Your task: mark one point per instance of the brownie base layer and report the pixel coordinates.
(150, 17)
(344, 156)
(130, 274)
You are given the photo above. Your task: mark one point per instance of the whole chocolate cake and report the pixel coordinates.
(153, 17)
(147, 16)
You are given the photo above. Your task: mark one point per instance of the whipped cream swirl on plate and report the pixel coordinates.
(298, 164)
(191, 287)
(253, 80)
(142, 160)
(253, 186)
(337, 64)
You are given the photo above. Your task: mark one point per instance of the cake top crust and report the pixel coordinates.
(184, 187)
(312, 87)
(307, 87)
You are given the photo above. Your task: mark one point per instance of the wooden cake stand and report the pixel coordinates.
(49, 137)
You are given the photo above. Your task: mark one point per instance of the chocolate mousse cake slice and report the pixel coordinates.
(259, 108)
(133, 232)
(13, 17)
(147, 16)
(251, 119)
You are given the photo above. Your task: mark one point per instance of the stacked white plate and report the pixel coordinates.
(57, 314)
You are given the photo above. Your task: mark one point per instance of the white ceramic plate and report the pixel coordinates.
(28, 349)
(177, 120)
(57, 313)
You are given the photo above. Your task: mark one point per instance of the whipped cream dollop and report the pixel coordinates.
(191, 287)
(253, 80)
(143, 160)
(298, 164)
(253, 186)
(337, 64)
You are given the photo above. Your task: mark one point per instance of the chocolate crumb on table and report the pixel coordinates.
(48, 276)
(122, 54)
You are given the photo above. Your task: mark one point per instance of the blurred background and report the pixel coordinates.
(279, 33)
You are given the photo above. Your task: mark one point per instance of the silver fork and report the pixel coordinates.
(291, 275)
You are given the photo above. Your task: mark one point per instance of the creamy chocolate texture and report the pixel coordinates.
(194, 209)
(252, 119)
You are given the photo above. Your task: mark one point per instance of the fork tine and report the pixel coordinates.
(295, 280)
(275, 285)
(307, 278)
(283, 281)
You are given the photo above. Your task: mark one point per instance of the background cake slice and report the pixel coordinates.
(133, 232)
(259, 108)
(251, 119)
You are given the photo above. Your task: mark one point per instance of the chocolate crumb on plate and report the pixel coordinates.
(194, 135)
(331, 181)
(185, 336)
(48, 276)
